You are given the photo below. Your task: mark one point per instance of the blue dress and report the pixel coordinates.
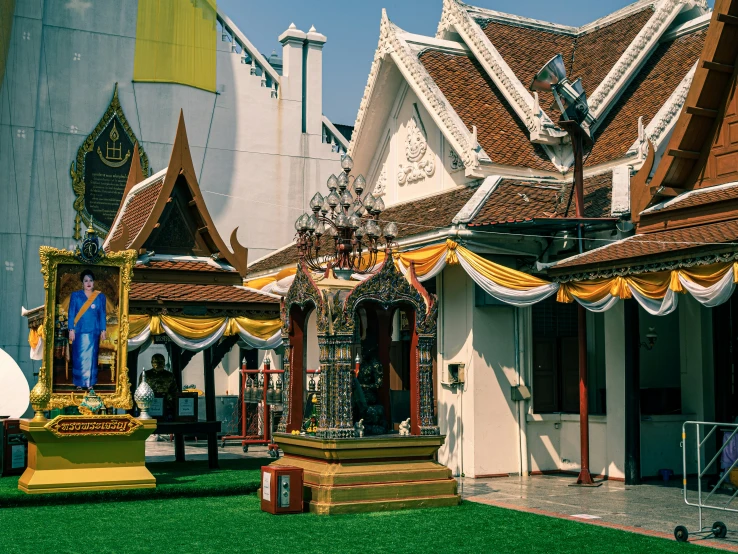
(87, 337)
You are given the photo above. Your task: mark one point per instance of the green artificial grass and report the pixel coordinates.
(235, 523)
(190, 479)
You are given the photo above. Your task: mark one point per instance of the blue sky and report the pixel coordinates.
(352, 28)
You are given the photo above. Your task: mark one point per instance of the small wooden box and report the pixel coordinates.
(281, 489)
(186, 407)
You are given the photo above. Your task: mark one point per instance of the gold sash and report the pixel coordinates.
(86, 306)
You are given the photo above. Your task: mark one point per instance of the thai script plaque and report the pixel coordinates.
(82, 426)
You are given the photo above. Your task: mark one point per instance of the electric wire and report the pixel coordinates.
(500, 233)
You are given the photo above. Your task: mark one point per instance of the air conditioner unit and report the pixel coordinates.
(456, 373)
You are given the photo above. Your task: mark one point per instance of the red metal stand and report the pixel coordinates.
(250, 430)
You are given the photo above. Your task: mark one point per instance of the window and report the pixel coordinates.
(555, 357)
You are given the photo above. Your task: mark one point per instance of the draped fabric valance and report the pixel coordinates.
(656, 292)
(198, 333)
(190, 333)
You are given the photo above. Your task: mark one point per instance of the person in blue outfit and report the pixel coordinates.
(86, 325)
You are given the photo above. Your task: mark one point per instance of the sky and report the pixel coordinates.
(352, 28)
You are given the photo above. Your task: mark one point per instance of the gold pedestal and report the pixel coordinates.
(369, 474)
(86, 462)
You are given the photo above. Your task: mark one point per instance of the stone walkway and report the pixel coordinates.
(163, 451)
(652, 509)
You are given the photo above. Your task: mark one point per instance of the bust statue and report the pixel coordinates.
(161, 380)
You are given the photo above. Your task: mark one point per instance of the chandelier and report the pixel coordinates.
(343, 232)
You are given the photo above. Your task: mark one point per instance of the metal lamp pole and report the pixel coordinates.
(579, 142)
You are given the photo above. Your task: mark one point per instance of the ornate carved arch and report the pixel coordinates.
(302, 292)
(388, 287)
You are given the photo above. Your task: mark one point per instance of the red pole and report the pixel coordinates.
(584, 476)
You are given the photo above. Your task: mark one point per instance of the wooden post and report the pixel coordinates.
(632, 395)
(584, 476)
(210, 406)
(414, 376)
(175, 359)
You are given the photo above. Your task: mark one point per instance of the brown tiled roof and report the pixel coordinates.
(699, 198)
(138, 210)
(516, 201)
(677, 241)
(182, 265)
(197, 293)
(645, 95)
(412, 218)
(477, 101)
(590, 55)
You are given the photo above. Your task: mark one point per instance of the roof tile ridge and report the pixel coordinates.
(630, 62)
(658, 128)
(525, 104)
(688, 194)
(135, 190)
(469, 210)
(273, 253)
(588, 252)
(459, 137)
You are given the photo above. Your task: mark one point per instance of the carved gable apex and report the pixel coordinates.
(393, 48)
(157, 210)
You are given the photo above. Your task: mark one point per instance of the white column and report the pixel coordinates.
(615, 383)
(314, 82)
(292, 40)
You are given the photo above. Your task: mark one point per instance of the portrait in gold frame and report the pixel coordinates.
(55, 264)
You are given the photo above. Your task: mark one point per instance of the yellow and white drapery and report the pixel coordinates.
(657, 292)
(711, 285)
(198, 333)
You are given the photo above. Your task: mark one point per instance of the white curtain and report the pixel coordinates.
(599, 305)
(38, 352)
(655, 306)
(713, 295)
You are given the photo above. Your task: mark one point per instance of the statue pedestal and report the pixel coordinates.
(86, 453)
(369, 474)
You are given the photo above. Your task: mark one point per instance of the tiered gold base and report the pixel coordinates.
(369, 474)
(85, 463)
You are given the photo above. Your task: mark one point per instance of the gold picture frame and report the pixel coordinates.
(43, 396)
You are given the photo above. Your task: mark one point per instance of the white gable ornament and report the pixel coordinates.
(381, 186)
(416, 148)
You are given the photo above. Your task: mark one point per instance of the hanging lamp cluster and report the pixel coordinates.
(343, 232)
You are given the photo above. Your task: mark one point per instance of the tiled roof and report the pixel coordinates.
(197, 293)
(477, 101)
(412, 218)
(700, 197)
(590, 55)
(182, 265)
(645, 95)
(516, 201)
(677, 241)
(137, 211)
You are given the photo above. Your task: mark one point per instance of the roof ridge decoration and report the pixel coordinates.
(637, 52)
(390, 44)
(180, 163)
(539, 24)
(542, 130)
(658, 128)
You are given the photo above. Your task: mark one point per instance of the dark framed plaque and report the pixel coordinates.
(186, 407)
(100, 172)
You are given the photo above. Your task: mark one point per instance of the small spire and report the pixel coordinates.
(312, 29)
(292, 25)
